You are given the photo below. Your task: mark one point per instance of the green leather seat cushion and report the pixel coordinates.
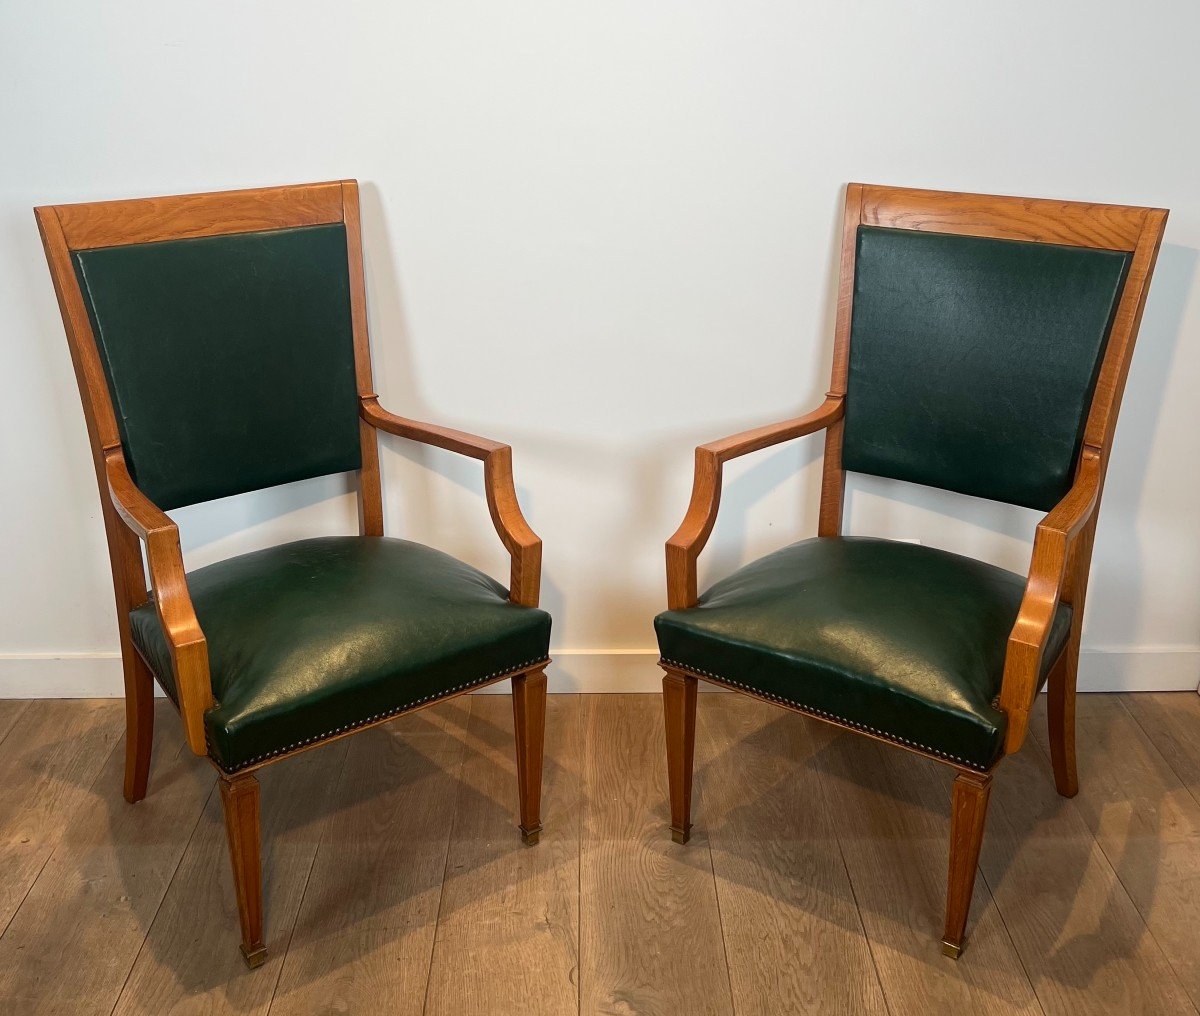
(309, 639)
(901, 640)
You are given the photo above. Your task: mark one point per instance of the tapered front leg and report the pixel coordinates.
(529, 724)
(240, 800)
(967, 818)
(679, 708)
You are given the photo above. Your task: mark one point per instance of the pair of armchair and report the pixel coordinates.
(220, 344)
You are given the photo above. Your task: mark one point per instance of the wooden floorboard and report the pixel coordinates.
(650, 927)
(1079, 935)
(892, 813)
(1146, 823)
(509, 925)
(190, 962)
(48, 763)
(364, 935)
(1172, 721)
(71, 945)
(11, 710)
(793, 935)
(396, 880)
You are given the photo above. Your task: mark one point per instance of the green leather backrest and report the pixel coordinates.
(973, 360)
(230, 359)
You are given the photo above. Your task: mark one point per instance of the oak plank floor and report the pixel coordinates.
(793, 935)
(364, 936)
(103, 884)
(185, 965)
(396, 880)
(892, 811)
(1079, 935)
(1146, 823)
(48, 761)
(650, 927)
(509, 924)
(1171, 721)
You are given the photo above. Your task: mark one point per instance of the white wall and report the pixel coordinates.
(632, 209)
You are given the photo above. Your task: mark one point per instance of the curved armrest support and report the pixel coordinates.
(683, 549)
(189, 650)
(521, 542)
(1052, 544)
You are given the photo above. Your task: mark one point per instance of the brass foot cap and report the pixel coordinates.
(255, 956)
(530, 837)
(951, 950)
(681, 835)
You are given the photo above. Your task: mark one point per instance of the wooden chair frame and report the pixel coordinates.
(131, 519)
(1062, 547)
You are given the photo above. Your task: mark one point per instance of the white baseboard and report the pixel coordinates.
(98, 675)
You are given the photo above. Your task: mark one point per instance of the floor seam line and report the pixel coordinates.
(307, 881)
(1117, 871)
(1008, 934)
(698, 781)
(163, 899)
(854, 896)
(101, 766)
(437, 921)
(1194, 794)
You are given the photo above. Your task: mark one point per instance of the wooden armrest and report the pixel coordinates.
(521, 542)
(189, 650)
(683, 549)
(1043, 591)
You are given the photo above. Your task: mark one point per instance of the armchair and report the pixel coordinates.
(981, 346)
(220, 345)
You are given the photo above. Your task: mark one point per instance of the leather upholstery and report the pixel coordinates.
(230, 359)
(310, 639)
(973, 360)
(902, 640)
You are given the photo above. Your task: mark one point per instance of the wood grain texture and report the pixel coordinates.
(650, 929)
(1084, 224)
(1147, 824)
(529, 735)
(1078, 933)
(364, 935)
(892, 815)
(508, 933)
(48, 763)
(172, 600)
(240, 803)
(71, 945)
(11, 711)
(679, 715)
(370, 485)
(177, 217)
(1045, 586)
(1110, 384)
(187, 966)
(793, 936)
(968, 817)
(778, 795)
(1172, 721)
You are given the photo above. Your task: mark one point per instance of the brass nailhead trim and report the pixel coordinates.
(830, 716)
(373, 719)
